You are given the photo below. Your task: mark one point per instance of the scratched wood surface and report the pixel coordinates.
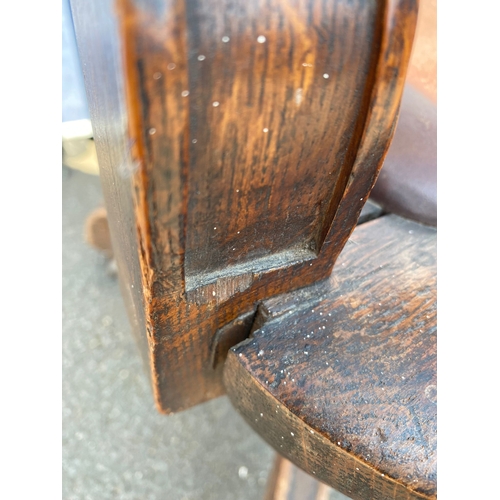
(255, 132)
(340, 377)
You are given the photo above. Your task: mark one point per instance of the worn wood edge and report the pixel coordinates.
(240, 384)
(126, 24)
(128, 17)
(400, 20)
(113, 151)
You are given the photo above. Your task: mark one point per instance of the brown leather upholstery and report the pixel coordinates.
(407, 185)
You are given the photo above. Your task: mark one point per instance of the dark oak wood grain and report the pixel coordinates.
(340, 377)
(255, 132)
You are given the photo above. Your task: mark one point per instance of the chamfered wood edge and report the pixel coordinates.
(277, 424)
(400, 20)
(96, 30)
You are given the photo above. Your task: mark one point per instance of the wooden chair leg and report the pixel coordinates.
(288, 482)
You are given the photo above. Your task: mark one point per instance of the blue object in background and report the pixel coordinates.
(74, 100)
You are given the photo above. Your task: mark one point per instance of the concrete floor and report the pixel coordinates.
(115, 444)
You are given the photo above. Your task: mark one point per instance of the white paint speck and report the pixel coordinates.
(326, 75)
(243, 472)
(213, 293)
(201, 57)
(225, 39)
(157, 75)
(152, 131)
(261, 414)
(215, 104)
(171, 66)
(292, 433)
(265, 130)
(194, 141)
(260, 353)
(261, 38)
(185, 93)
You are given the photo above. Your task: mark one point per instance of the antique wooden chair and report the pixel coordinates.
(238, 143)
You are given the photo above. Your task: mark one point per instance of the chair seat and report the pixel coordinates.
(340, 377)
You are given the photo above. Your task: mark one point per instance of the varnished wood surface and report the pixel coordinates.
(340, 377)
(255, 132)
(288, 482)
